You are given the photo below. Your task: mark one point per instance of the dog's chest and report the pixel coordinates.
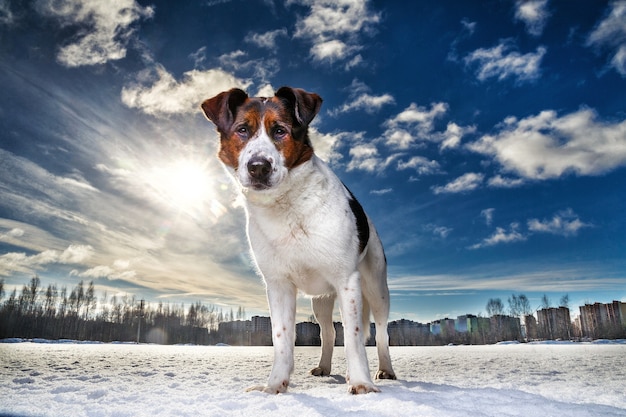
(306, 241)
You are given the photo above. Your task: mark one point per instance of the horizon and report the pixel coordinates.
(486, 141)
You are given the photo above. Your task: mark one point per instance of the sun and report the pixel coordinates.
(184, 184)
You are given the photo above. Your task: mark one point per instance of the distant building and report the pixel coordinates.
(603, 320)
(308, 334)
(407, 333)
(554, 323)
(447, 328)
(531, 331)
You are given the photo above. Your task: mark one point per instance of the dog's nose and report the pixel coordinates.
(259, 168)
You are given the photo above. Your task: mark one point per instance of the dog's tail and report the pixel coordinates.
(366, 320)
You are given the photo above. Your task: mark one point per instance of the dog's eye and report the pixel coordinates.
(279, 133)
(242, 131)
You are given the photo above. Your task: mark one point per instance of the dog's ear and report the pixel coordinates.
(222, 108)
(304, 104)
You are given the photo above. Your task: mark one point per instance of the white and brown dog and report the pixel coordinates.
(306, 230)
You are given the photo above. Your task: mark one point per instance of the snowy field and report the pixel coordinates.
(63, 379)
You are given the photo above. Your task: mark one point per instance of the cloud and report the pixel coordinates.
(466, 182)
(564, 223)
(534, 14)
(367, 102)
(335, 27)
(119, 270)
(13, 233)
(500, 236)
(158, 93)
(361, 99)
(365, 157)
(610, 33)
(262, 69)
(6, 15)
(502, 62)
(104, 28)
(422, 165)
(21, 262)
(504, 182)
(487, 214)
(382, 191)
(266, 40)
(547, 146)
(451, 138)
(325, 144)
(413, 123)
(439, 231)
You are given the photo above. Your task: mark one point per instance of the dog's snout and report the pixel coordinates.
(259, 168)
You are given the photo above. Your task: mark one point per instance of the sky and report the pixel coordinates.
(485, 139)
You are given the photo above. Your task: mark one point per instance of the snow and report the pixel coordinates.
(96, 379)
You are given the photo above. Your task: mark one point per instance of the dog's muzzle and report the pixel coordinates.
(260, 171)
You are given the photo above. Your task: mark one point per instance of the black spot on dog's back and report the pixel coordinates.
(362, 225)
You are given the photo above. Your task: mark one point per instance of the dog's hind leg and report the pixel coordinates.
(323, 310)
(379, 305)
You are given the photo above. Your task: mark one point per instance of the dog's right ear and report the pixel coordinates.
(222, 108)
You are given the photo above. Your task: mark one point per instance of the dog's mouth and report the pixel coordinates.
(259, 186)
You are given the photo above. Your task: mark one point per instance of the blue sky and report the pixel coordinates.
(486, 139)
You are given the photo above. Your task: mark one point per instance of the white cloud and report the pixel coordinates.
(548, 146)
(266, 40)
(262, 69)
(422, 165)
(13, 233)
(335, 27)
(361, 99)
(21, 262)
(564, 223)
(325, 144)
(451, 138)
(365, 157)
(487, 214)
(367, 102)
(105, 28)
(504, 182)
(500, 236)
(466, 182)
(119, 270)
(610, 33)
(502, 62)
(534, 14)
(440, 231)
(413, 123)
(158, 93)
(75, 254)
(382, 191)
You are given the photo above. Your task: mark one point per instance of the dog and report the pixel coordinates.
(306, 231)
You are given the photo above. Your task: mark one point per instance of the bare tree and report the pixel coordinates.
(494, 307)
(564, 301)
(545, 302)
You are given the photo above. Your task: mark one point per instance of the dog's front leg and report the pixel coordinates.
(281, 296)
(351, 302)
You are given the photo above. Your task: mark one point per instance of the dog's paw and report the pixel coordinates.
(362, 388)
(382, 374)
(270, 390)
(319, 371)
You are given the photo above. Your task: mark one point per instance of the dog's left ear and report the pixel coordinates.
(222, 108)
(304, 104)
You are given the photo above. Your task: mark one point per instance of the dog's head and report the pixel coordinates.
(262, 139)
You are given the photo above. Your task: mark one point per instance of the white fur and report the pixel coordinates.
(303, 236)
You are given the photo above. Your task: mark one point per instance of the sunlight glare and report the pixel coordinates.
(184, 184)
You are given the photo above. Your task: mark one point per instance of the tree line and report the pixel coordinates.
(58, 313)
